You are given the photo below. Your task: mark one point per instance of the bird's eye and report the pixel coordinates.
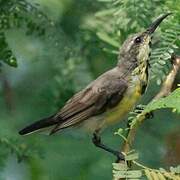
(138, 40)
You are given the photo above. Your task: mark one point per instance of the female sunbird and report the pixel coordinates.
(111, 96)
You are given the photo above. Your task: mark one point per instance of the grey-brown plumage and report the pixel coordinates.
(110, 96)
(103, 93)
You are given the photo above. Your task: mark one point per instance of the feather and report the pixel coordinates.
(39, 125)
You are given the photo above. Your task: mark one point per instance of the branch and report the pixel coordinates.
(168, 83)
(164, 91)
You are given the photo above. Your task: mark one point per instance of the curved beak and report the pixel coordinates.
(156, 23)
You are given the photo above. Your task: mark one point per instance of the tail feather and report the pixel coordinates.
(41, 124)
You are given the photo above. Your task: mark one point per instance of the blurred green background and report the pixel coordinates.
(51, 68)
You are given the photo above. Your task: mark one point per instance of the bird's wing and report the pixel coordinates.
(91, 101)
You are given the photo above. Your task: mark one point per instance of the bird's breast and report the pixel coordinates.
(130, 98)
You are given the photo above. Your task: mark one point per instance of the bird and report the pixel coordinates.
(109, 98)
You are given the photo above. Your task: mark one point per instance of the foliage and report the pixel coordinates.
(167, 102)
(121, 170)
(121, 18)
(6, 54)
(161, 54)
(18, 14)
(19, 150)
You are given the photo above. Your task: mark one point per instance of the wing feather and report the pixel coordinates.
(75, 105)
(89, 102)
(77, 118)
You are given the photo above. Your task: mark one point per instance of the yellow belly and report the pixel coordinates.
(130, 98)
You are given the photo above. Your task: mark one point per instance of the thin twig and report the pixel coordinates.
(168, 83)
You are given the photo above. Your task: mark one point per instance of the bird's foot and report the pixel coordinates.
(149, 115)
(96, 139)
(97, 142)
(140, 108)
(120, 157)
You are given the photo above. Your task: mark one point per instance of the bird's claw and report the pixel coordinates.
(149, 115)
(120, 157)
(96, 139)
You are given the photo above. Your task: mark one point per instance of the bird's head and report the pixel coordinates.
(136, 48)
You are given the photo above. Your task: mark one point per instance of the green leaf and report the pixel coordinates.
(105, 0)
(128, 174)
(160, 176)
(148, 174)
(120, 166)
(16, 14)
(175, 169)
(106, 38)
(132, 156)
(11, 61)
(104, 12)
(119, 132)
(172, 101)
